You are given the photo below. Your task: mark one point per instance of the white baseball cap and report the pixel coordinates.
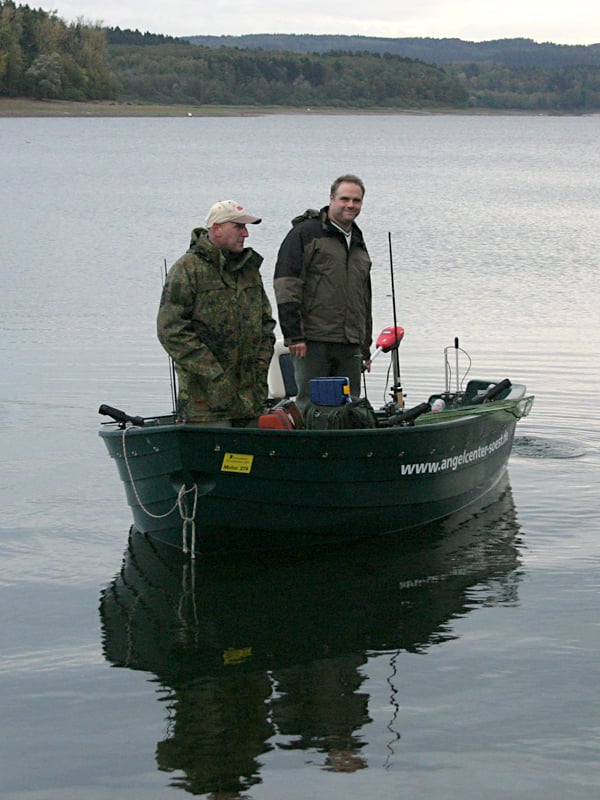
(230, 211)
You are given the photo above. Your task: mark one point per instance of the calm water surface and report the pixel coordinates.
(459, 663)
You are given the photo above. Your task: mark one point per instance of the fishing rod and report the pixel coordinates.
(397, 394)
(172, 372)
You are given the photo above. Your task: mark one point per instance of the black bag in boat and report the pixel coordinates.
(352, 415)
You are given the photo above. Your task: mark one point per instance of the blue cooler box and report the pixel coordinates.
(330, 391)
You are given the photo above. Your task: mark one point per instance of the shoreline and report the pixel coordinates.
(28, 107)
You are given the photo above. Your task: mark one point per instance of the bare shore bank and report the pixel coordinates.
(28, 107)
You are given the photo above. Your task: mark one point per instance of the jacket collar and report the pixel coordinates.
(201, 244)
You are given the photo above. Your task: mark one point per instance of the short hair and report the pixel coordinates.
(346, 179)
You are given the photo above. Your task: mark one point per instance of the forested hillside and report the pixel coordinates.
(43, 57)
(517, 74)
(190, 74)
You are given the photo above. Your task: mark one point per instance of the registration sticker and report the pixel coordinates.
(237, 462)
(237, 655)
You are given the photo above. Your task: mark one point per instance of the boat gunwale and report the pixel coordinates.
(427, 422)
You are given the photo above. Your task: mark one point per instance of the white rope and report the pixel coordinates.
(134, 487)
(189, 522)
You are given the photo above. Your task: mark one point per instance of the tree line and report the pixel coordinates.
(41, 56)
(542, 89)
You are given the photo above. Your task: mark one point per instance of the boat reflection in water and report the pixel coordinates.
(259, 653)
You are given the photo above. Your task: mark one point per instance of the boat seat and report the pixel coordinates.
(282, 382)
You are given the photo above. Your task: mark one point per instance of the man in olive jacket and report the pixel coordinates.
(215, 321)
(323, 289)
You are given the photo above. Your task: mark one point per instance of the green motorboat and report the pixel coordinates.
(206, 488)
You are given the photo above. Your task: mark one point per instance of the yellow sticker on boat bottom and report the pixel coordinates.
(237, 655)
(237, 462)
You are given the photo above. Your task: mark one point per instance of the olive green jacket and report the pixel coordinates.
(215, 321)
(322, 286)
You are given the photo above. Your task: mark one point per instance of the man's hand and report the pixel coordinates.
(298, 350)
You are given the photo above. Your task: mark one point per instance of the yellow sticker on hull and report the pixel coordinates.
(237, 462)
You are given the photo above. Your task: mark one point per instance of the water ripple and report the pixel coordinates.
(540, 447)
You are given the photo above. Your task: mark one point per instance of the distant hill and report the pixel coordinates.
(512, 52)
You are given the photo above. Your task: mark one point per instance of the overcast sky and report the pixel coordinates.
(559, 21)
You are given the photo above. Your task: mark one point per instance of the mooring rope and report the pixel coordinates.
(189, 522)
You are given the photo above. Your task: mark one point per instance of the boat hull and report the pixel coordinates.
(245, 489)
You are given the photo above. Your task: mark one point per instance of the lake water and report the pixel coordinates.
(460, 663)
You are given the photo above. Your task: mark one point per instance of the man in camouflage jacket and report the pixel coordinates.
(323, 289)
(215, 321)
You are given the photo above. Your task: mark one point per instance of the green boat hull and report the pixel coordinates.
(211, 489)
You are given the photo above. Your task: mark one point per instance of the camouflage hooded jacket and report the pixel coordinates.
(216, 323)
(322, 286)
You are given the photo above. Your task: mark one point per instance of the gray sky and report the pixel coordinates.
(559, 21)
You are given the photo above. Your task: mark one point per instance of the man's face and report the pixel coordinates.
(345, 204)
(229, 235)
